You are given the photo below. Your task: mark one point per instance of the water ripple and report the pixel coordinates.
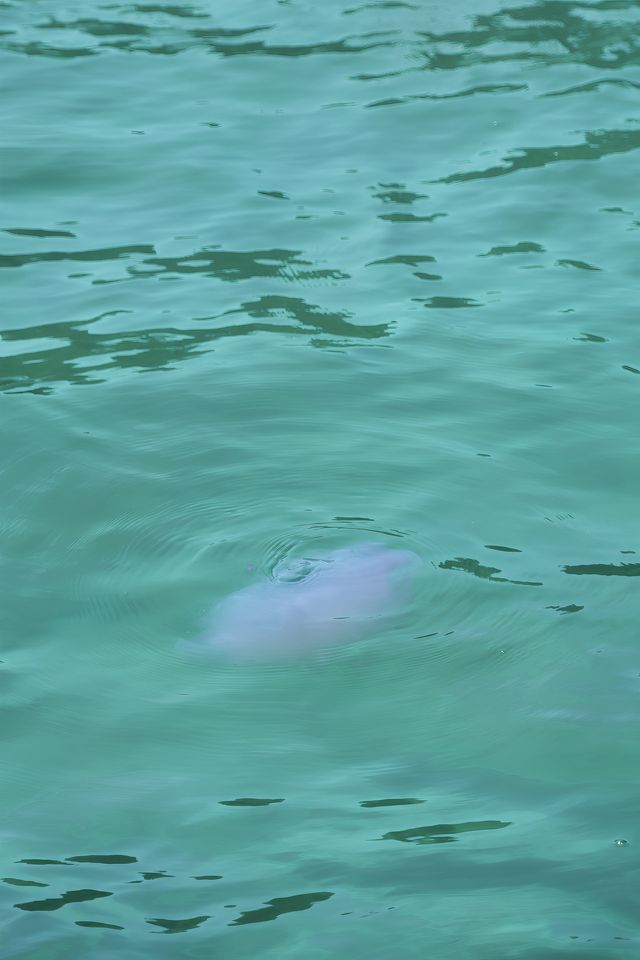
(140, 37)
(204, 194)
(35, 359)
(597, 144)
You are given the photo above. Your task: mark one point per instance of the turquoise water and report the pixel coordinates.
(278, 278)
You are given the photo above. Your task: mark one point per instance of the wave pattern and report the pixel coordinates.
(280, 276)
(462, 63)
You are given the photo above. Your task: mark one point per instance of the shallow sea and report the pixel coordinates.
(278, 278)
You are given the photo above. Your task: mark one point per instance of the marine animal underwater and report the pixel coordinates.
(330, 598)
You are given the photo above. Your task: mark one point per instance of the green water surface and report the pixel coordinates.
(279, 277)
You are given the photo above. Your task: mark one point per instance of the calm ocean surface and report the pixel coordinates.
(281, 277)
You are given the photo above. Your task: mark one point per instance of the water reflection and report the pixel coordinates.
(597, 144)
(548, 32)
(250, 802)
(477, 569)
(443, 832)
(278, 906)
(604, 569)
(46, 354)
(482, 88)
(98, 924)
(71, 896)
(551, 32)
(391, 802)
(103, 858)
(16, 882)
(179, 926)
(227, 265)
(140, 36)
(82, 256)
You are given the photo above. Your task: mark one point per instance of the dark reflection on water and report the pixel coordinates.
(578, 264)
(381, 5)
(468, 870)
(398, 193)
(250, 802)
(591, 338)
(443, 832)
(477, 569)
(332, 323)
(38, 233)
(279, 905)
(178, 926)
(51, 256)
(454, 84)
(597, 144)
(103, 858)
(71, 896)
(133, 37)
(23, 883)
(392, 802)
(410, 217)
(411, 259)
(69, 361)
(594, 85)
(605, 569)
(171, 11)
(569, 608)
(239, 265)
(525, 246)
(36, 861)
(96, 923)
(229, 265)
(548, 33)
(447, 303)
(458, 94)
